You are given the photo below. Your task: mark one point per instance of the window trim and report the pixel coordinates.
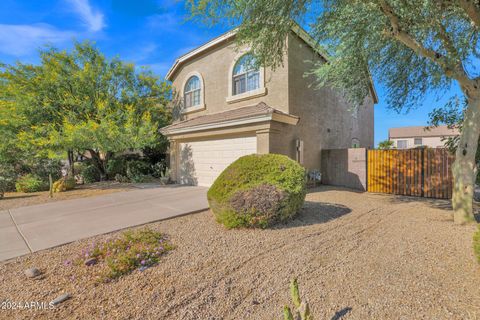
(201, 105)
(261, 91)
(402, 140)
(415, 141)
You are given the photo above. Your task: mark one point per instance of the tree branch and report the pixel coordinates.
(396, 32)
(472, 11)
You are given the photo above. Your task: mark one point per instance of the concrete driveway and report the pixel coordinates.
(29, 229)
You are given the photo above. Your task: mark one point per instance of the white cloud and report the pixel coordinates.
(22, 40)
(94, 19)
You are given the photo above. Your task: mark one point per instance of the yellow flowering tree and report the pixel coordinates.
(81, 102)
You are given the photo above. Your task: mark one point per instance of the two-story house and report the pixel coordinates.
(230, 109)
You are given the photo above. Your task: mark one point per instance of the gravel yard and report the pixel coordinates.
(20, 199)
(356, 256)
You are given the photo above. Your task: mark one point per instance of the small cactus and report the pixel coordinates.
(302, 310)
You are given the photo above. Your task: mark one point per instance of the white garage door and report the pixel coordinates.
(202, 161)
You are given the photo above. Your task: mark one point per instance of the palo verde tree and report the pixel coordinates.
(82, 102)
(413, 47)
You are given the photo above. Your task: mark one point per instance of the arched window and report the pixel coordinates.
(192, 92)
(246, 77)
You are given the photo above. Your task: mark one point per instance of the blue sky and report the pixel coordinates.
(145, 32)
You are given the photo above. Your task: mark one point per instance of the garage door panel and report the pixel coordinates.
(202, 161)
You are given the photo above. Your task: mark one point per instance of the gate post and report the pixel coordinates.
(422, 154)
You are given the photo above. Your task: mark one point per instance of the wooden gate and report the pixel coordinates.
(411, 172)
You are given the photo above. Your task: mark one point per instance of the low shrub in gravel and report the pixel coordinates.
(132, 249)
(258, 191)
(476, 244)
(30, 183)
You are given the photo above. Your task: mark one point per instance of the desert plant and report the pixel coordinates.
(302, 310)
(158, 169)
(90, 174)
(30, 183)
(131, 250)
(64, 184)
(257, 191)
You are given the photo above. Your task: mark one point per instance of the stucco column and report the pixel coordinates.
(264, 138)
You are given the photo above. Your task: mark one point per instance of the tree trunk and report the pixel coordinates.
(465, 169)
(99, 164)
(71, 162)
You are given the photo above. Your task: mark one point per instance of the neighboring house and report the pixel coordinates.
(229, 109)
(412, 137)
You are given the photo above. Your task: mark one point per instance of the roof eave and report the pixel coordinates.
(278, 117)
(297, 29)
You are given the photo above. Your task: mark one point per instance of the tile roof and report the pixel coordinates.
(410, 132)
(257, 110)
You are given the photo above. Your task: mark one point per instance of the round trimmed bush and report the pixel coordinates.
(258, 191)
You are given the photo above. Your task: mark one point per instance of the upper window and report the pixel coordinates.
(192, 92)
(246, 77)
(402, 144)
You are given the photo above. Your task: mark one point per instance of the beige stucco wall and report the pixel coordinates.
(432, 142)
(214, 67)
(325, 119)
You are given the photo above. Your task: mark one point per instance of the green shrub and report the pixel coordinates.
(476, 244)
(43, 168)
(90, 174)
(31, 183)
(258, 191)
(138, 171)
(158, 169)
(7, 179)
(64, 184)
(116, 166)
(79, 167)
(130, 250)
(121, 179)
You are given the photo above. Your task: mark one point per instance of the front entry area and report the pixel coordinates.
(202, 161)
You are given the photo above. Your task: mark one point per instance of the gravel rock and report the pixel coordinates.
(359, 255)
(90, 262)
(61, 299)
(32, 272)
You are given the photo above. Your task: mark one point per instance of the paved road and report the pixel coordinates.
(33, 228)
